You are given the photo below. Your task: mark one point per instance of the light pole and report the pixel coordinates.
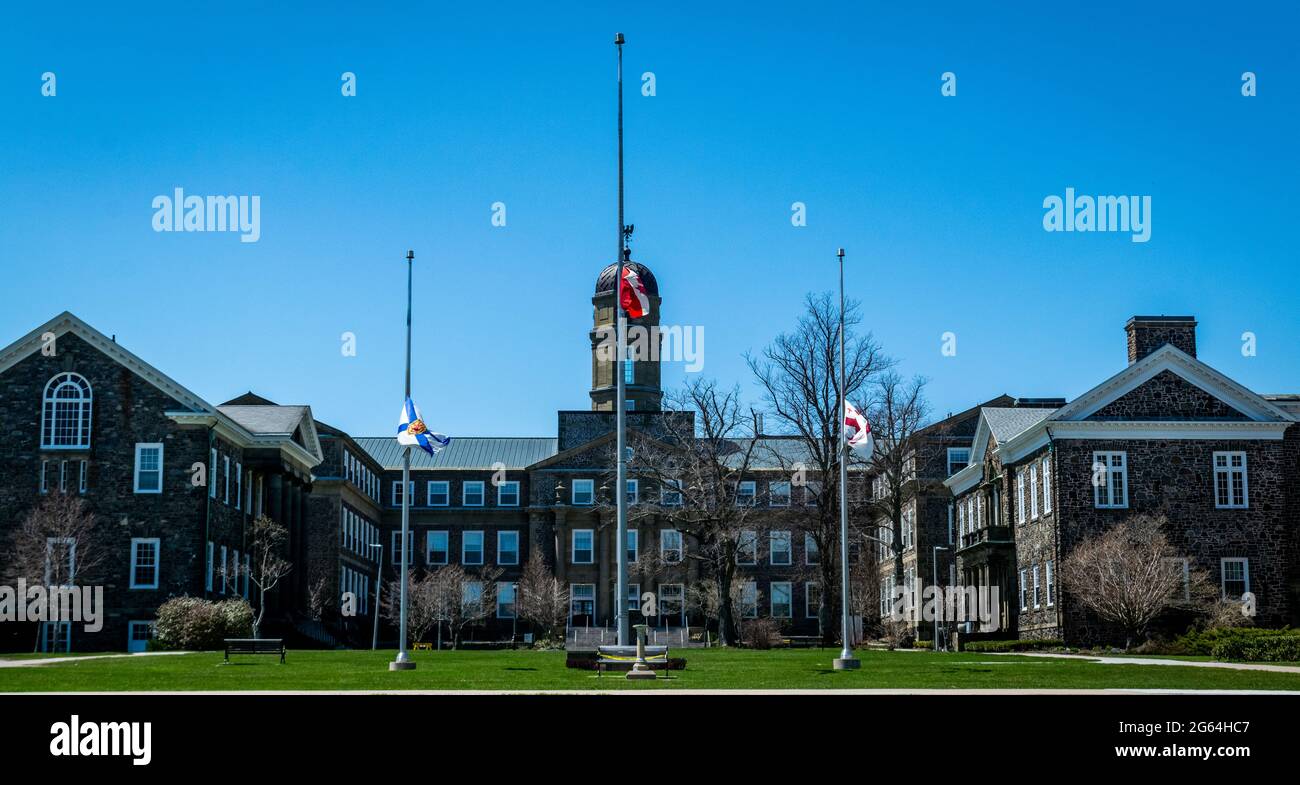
(514, 615)
(379, 581)
(934, 582)
(846, 661)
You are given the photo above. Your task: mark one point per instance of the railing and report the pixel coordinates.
(677, 637)
(986, 534)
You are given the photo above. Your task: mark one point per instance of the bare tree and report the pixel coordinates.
(897, 413)
(318, 599)
(542, 599)
(57, 544)
(705, 464)
(268, 565)
(425, 601)
(799, 376)
(449, 595)
(1130, 574)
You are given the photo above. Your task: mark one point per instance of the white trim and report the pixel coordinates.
(464, 493)
(428, 546)
(139, 448)
(1111, 503)
(428, 493)
(633, 546)
(207, 580)
(591, 489)
(502, 486)
(157, 562)
(1245, 574)
(780, 534)
(1231, 470)
(573, 546)
(771, 599)
(464, 548)
(502, 533)
(807, 593)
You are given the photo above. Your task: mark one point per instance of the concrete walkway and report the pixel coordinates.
(1104, 660)
(31, 662)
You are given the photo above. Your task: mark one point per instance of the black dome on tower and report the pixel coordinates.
(605, 282)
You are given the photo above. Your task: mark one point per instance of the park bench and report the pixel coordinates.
(622, 657)
(802, 641)
(255, 646)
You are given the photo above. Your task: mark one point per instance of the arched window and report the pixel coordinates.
(65, 413)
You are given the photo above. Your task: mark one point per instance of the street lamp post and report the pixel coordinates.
(514, 615)
(379, 581)
(934, 582)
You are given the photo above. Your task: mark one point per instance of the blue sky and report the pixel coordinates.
(759, 105)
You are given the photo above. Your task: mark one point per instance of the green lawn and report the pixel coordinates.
(533, 670)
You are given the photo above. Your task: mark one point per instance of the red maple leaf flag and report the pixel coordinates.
(857, 431)
(632, 294)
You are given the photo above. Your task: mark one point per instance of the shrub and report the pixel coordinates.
(1260, 648)
(758, 633)
(195, 624)
(920, 644)
(1203, 642)
(1034, 644)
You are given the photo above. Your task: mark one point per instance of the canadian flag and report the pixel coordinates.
(857, 431)
(632, 295)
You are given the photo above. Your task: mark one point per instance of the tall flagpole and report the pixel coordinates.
(404, 661)
(846, 660)
(620, 590)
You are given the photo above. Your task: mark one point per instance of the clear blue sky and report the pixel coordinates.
(938, 200)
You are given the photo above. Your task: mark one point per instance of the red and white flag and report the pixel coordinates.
(857, 431)
(632, 295)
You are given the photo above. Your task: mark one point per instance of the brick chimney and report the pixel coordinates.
(1148, 333)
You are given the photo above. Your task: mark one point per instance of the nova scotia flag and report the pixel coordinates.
(411, 430)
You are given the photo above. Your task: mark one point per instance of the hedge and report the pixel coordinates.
(195, 624)
(1032, 644)
(1204, 642)
(1260, 648)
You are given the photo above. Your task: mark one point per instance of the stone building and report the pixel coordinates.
(1168, 436)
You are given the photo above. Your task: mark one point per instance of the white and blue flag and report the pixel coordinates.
(411, 430)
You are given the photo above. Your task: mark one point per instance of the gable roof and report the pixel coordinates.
(464, 452)
(66, 323)
(1006, 423)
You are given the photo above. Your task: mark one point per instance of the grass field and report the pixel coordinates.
(542, 670)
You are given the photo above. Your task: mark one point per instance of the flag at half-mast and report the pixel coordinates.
(632, 294)
(857, 431)
(412, 431)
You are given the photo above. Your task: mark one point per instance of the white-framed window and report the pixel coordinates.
(438, 493)
(951, 514)
(584, 492)
(471, 597)
(56, 636)
(670, 495)
(1020, 496)
(507, 547)
(248, 570)
(582, 599)
(397, 547)
(634, 597)
(633, 492)
(812, 554)
(1024, 590)
(508, 494)
(471, 547)
(633, 545)
(1047, 485)
(1230, 485)
(749, 600)
(144, 562)
(437, 546)
(471, 493)
(778, 494)
(670, 546)
(745, 493)
(397, 492)
(81, 481)
(779, 551)
(1110, 480)
(782, 599)
(207, 576)
(672, 601)
(958, 459)
(1037, 601)
(138, 635)
(747, 547)
(1051, 593)
(1033, 491)
(629, 372)
(812, 491)
(629, 405)
(222, 573)
(65, 413)
(582, 546)
(61, 551)
(505, 600)
(1234, 577)
(212, 473)
(45, 469)
(63, 476)
(148, 467)
(812, 599)
(239, 485)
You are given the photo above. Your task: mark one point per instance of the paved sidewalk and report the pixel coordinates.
(1104, 660)
(32, 662)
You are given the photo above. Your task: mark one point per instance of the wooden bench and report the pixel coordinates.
(255, 646)
(802, 641)
(622, 657)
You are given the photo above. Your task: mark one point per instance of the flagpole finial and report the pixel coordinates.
(618, 39)
(410, 255)
(840, 253)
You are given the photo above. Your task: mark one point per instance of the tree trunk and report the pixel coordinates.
(261, 611)
(726, 618)
(829, 611)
